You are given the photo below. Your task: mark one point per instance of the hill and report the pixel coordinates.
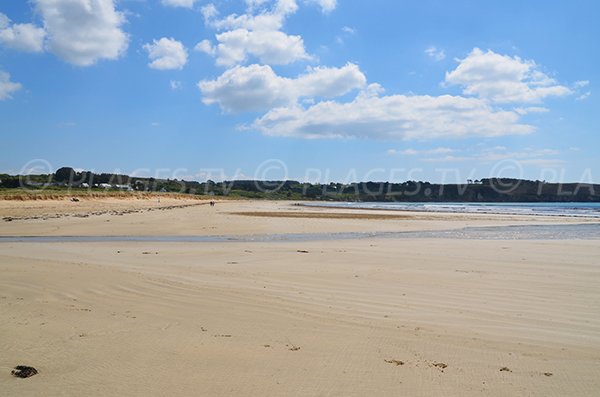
(484, 190)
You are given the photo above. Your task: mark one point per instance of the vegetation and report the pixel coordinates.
(67, 180)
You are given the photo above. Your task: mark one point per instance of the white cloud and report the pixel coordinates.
(21, 36)
(347, 31)
(254, 34)
(529, 156)
(435, 53)
(254, 4)
(245, 88)
(7, 87)
(179, 3)
(543, 163)
(414, 152)
(269, 46)
(393, 117)
(4, 21)
(409, 152)
(166, 54)
(531, 109)
(270, 19)
(206, 47)
(315, 105)
(257, 87)
(209, 12)
(584, 96)
(581, 84)
(286, 7)
(503, 79)
(326, 5)
(82, 32)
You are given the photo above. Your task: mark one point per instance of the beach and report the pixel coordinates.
(305, 317)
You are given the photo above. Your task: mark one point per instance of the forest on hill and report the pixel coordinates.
(484, 190)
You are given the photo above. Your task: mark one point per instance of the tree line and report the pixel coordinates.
(484, 190)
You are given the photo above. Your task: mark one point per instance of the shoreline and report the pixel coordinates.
(449, 203)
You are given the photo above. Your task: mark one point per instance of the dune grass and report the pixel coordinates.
(61, 194)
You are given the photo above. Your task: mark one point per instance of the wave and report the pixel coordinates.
(541, 209)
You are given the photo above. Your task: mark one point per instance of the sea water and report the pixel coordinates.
(546, 209)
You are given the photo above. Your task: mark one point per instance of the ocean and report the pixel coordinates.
(546, 209)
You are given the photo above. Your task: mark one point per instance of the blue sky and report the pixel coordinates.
(318, 90)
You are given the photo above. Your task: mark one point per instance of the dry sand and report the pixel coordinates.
(369, 317)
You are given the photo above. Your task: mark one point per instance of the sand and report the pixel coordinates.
(368, 317)
(110, 217)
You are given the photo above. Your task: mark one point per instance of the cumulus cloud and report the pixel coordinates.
(393, 117)
(503, 79)
(7, 87)
(82, 32)
(206, 47)
(256, 33)
(269, 46)
(435, 53)
(166, 54)
(21, 36)
(260, 18)
(499, 91)
(209, 12)
(179, 3)
(258, 87)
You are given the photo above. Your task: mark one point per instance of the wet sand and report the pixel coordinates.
(419, 317)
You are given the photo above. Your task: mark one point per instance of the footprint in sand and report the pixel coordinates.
(396, 362)
(440, 366)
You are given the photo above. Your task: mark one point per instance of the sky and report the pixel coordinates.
(311, 90)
